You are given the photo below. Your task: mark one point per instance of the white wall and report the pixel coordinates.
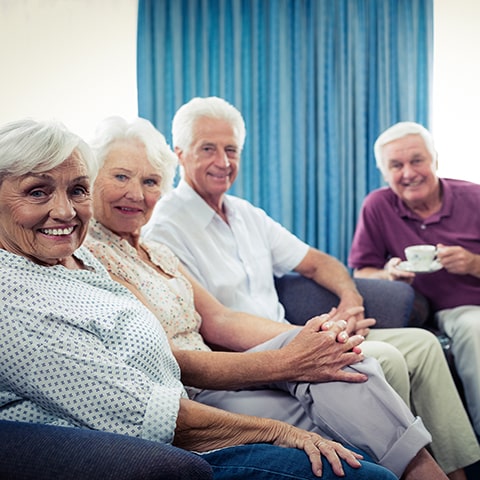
(456, 89)
(73, 60)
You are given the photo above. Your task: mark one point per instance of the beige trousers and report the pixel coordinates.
(415, 366)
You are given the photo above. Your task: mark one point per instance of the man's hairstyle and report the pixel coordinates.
(188, 114)
(400, 130)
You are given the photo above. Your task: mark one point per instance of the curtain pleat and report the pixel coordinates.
(316, 81)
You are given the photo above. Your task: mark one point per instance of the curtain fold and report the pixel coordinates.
(316, 81)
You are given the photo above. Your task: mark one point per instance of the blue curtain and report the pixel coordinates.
(316, 81)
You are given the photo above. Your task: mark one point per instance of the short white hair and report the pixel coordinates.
(188, 114)
(159, 154)
(31, 146)
(400, 130)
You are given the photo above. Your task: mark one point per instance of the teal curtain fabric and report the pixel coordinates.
(316, 81)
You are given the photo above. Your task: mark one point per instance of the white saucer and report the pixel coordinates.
(434, 267)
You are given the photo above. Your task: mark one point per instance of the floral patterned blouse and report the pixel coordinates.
(170, 298)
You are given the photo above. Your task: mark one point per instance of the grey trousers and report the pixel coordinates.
(370, 416)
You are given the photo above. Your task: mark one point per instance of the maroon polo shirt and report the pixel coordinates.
(386, 226)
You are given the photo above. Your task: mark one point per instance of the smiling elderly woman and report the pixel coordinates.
(308, 377)
(78, 349)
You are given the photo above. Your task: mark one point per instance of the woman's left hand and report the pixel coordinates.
(315, 447)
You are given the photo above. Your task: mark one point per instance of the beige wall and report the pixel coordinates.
(73, 60)
(456, 92)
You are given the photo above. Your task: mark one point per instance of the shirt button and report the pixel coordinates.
(423, 227)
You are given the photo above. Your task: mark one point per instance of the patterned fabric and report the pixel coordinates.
(170, 298)
(78, 349)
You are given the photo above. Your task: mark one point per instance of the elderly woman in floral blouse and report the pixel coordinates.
(314, 377)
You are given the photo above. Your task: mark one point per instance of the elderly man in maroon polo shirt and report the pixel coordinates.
(418, 207)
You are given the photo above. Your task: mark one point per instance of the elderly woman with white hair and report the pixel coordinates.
(77, 349)
(259, 367)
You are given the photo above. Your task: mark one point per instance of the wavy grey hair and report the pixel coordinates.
(400, 130)
(159, 154)
(31, 146)
(207, 107)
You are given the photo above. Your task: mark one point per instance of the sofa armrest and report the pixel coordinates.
(42, 452)
(390, 303)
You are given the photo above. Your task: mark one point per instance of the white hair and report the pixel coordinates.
(187, 115)
(30, 146)
(400, 130)
(159, 154)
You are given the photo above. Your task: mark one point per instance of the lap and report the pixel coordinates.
(262, 461)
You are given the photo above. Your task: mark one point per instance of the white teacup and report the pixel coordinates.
(421, 257)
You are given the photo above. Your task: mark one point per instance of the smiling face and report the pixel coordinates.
(211, 162)
(126, 189)
(44, 217)
(410, 170)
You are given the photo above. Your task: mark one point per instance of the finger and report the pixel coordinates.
(349, 377)
(316, 323)
(314, 456)
(366, 322)
(363, 332)
(352, 325)
(353, 311)
(352, 458)
(343, 337)
(335, 326)
(354, 341)
(328, 451)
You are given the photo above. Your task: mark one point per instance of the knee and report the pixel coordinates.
(387, 355)
(425, 349)
(424, 339)
(393, 366)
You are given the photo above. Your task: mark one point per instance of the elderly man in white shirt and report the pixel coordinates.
(234, 249)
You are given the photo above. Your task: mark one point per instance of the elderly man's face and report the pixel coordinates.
(44, 217)
(409, 169)
(211, 162)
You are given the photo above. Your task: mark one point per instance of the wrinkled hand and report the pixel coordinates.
(394, 273)
(322, 349)
(362, 327)
(353, 314)
(457, 260)
(315, 447)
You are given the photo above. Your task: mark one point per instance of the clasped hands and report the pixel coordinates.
(323, 348)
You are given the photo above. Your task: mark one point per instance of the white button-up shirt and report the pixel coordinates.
(236, 262)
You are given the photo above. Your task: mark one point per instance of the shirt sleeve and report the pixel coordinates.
(287, 250)
(368, 247)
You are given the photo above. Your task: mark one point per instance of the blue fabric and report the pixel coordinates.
(316, 81)
(264, 462)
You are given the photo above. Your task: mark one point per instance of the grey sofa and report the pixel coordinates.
(392, 304)
(42, 452)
